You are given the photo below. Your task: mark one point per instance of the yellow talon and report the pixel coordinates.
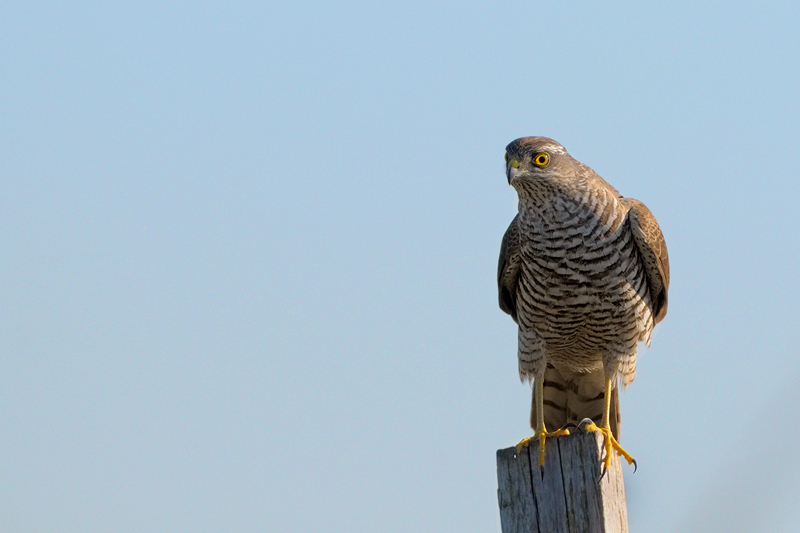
(540, 435)
(540, 432)
(611, 445)
(609, 442)
(524, 442)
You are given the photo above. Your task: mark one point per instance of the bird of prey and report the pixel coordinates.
(584, 273)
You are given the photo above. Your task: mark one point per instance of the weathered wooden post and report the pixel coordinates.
(570, 497)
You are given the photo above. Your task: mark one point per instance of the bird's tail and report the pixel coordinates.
(569, 397)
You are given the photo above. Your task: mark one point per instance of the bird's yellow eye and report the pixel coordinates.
(542, 159)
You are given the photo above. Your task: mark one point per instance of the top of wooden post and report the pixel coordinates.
(568, 495)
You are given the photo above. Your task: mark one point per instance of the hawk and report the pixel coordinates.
(584, 273)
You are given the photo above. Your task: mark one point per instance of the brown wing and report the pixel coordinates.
(650, 242)
(508, 270)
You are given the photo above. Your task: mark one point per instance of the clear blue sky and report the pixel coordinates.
(248, 253)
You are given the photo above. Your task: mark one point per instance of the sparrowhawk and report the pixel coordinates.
(584, 273)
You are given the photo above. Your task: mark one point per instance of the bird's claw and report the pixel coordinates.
(541, 435)
(610, 446)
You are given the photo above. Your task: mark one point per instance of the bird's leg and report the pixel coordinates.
(610, 443)
(540, 432)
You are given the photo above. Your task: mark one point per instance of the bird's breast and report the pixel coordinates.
(582, 282)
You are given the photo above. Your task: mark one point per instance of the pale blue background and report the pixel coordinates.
(248, 252)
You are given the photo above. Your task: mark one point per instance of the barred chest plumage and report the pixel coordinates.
(582, 288)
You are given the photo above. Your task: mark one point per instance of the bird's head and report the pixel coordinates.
(537, 162)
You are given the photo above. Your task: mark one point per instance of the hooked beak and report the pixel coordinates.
(512, 169)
